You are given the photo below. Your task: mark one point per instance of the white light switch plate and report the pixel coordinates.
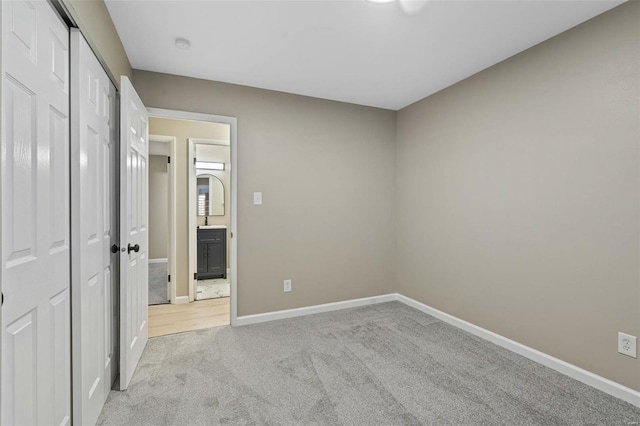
(257, 198)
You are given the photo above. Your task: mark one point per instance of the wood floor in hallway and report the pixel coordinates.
(170, 319)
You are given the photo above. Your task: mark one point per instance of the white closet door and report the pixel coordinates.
(35, 215)
(134, 229)
(92, 231)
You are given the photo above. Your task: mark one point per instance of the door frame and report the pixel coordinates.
(233, 142)
(193, 226)
(1, 207)
(171, 249)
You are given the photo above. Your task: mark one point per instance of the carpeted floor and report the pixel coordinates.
(385, 364)
(158, 283)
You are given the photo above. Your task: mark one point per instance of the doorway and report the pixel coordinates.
(186, 311)
(209, 217)
(162, 213)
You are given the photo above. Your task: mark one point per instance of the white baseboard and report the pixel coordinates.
(159, 260)
(316, 309)
(605, 385)
(182, 299)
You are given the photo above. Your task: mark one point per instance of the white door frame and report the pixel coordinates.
(1, 133)
(193, 226)
(233, 123)
(171, 261)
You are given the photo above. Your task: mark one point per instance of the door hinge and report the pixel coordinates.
(231, 234)
(168, 278)
(194, 160)
(168, 159)
(195, 275)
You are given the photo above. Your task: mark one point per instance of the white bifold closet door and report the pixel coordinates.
(35, 272)
(93, 231)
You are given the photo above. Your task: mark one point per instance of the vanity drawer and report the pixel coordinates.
(212, 234)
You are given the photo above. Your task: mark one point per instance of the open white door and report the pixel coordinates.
(93, 149)
(134, 229)
(36, 347)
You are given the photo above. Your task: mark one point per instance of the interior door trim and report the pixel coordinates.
(233, 123)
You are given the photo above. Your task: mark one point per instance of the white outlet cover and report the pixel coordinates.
(257, 198)
(287, 286)
(627, 345)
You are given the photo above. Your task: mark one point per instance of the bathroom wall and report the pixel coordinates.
(182, 130)
(158, 207)
(518, 196)
(219, 154)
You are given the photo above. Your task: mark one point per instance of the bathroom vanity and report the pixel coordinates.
(212, 252)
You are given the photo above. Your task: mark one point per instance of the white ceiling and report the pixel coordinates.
(345, 50)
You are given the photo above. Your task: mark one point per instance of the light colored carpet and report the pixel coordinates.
(379, 365)
(158, 283)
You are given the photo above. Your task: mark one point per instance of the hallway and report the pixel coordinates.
(170, 319)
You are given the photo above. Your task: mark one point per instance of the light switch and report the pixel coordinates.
(257, 198)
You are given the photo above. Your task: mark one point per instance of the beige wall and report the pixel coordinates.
(93, 19)
(220, 154)
(326, 173)
(182, 130)
(158, 207)
(518, 196)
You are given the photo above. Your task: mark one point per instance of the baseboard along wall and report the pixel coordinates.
(605, 385)
(316, 309)
(182, 299)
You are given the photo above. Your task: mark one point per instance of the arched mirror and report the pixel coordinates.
(209, 195)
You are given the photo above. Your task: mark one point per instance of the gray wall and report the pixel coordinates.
(518, 196)
(327, 176)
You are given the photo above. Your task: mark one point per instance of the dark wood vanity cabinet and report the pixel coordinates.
(212, 253)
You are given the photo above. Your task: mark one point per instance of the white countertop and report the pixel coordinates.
(212, 227)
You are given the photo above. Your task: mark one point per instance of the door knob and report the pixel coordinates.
(135, 248)
(116, 248)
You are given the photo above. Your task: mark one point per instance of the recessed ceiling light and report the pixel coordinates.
(182, 43)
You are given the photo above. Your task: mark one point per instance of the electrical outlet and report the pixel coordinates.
(627, 345)
(287, 286)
